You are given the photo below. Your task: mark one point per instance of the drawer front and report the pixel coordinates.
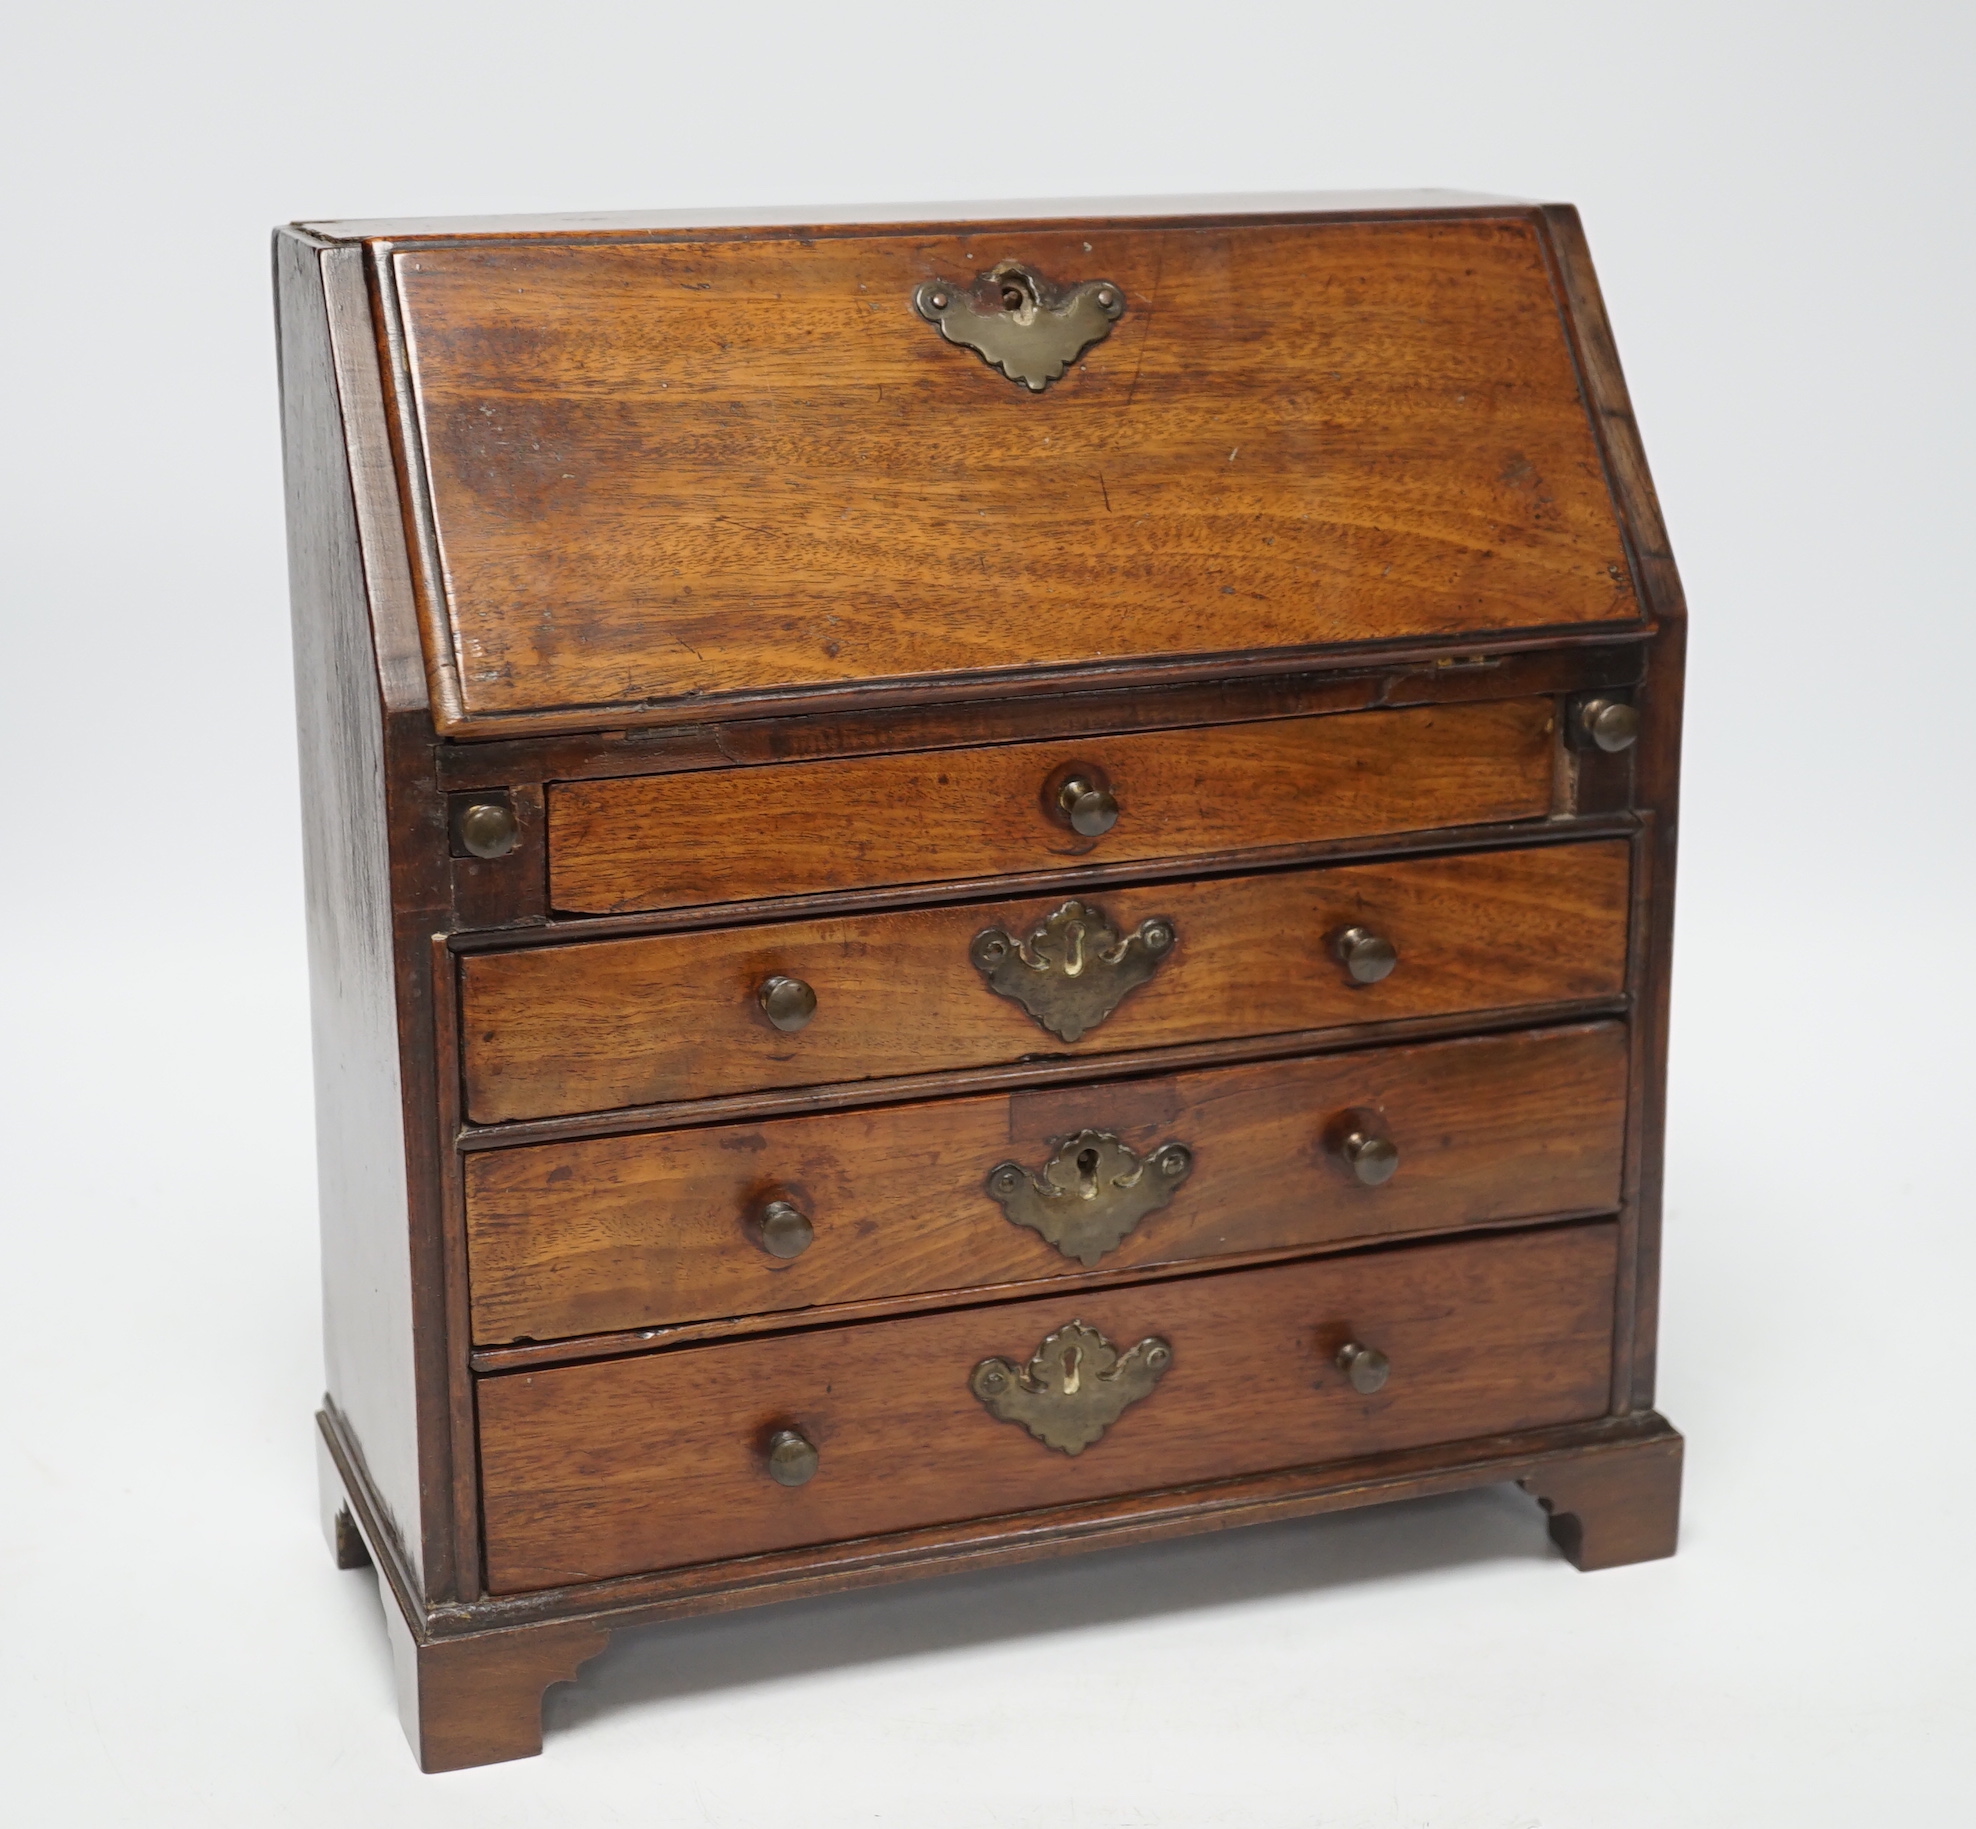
(668, 841)
(626, 1232)
(665, 473)
(609, 1024)
(606, 1469)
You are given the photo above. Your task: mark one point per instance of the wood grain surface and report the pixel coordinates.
(669, 841)
(776, 222)
(574, 1028)
(663, 498)
(1656, 792)
(1385, 681)
(627, 1232)
(354, 682)
(664, 472)
(1617, 1507)
(598, 1470)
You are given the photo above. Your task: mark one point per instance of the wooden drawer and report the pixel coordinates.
(667, 841)
(612, 1467)
(666, 475)
(608, 1024)
(626, 1232)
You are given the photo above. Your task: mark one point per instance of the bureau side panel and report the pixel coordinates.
(1656, 796)
(360, 1130)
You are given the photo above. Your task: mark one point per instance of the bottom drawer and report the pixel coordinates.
(611, 1468)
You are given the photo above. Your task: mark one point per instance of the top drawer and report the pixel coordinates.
(658, 475)
(669, 841)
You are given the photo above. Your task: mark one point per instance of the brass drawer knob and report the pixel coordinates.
(1090, 808)
(1366, 956)
(1365, 1366)
(488, 829)
(1372, 1159)
(784, 1230)
(1610, 723)
(787, 1002)
(792, 1458)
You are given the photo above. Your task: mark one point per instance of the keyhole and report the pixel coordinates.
(1016, 295)
(1087, 1173)
(1071, 1355)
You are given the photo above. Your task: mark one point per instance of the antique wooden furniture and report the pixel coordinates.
(975, 889)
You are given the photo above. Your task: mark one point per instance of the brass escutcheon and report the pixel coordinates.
(1074, 1388)
(1019, 322)
(1074, 970)
(1091, 1192)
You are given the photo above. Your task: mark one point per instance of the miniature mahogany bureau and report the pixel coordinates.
(975, 888)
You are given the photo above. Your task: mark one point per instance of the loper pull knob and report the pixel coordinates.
(488, 829)
(1610, 723)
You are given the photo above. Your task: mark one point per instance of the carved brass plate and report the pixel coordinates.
(1075, 969)
(1017, 321)
(1074, 1389)
(1091, 1193)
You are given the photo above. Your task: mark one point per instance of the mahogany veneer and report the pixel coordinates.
(557, 1029)
(638, 1231)
(974, 889)
(650, 1463)
(663, 468)
(667, 841)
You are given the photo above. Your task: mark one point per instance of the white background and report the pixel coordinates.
(1778, 200)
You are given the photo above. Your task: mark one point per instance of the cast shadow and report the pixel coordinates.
(1302, 1557)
